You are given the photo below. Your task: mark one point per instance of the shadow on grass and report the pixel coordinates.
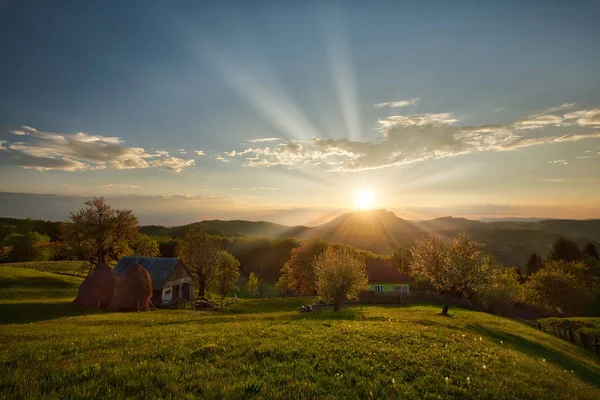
(568, 361)
(25, 313)
(38, 282)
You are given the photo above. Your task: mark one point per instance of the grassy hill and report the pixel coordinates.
(267, 349)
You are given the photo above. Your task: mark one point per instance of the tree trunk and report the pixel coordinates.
(201, 289)
(445, 309)
(336, 304)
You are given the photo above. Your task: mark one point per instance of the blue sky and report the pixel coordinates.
(117, 99)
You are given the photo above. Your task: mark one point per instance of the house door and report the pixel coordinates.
(181, 291)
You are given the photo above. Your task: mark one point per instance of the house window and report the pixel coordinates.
(378, 288)
(402, 288)
(167, 294)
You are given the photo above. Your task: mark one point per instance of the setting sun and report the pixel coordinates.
(364, 199)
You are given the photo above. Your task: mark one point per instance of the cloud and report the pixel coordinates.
(583, 157)
(560, 108)
(553, 180)
(263, 140)
(397, 104)
(183, 151)
(585, 117)
(219, 158)
(199, 152)
(405, 139)
(256, 188)
(564, 162)
(108, 186)
(45, 151)
(539, 121)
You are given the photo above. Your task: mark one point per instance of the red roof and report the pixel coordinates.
(381, 270)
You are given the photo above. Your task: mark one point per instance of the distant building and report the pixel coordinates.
(384, 278)
(171, 280)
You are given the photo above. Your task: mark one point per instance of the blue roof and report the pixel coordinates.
(158, 268)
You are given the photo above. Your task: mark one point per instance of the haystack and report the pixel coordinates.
(96, 291)
(133, 290)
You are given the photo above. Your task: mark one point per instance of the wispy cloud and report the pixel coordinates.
(397, 104)
(564, 162)
(405, 139)
(562, 107)
(219, 158)
(264, 140)
(80, 151)
(199, 152)
(256, 188)
(583, 157)
(553, 180)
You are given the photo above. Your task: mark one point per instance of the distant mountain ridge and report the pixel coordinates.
(381, 231)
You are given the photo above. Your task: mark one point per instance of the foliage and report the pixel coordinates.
(200, 253)
(31, 246)
(300, 268)
(5, 251)
(99, 233)
(565, 287)
(590, 250)
(339, 275)
(452, 266)
(534, 263)
(146, 246)
(267, 349)
(252, 284)
(226, 273)
(565, 250)
(501, 288)
(402, 259)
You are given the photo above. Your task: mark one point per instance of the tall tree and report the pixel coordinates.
(590, 250)
(226, 273)
(252, 283)
(565, 250)
(200, 253)
(451, 266)
(100, 234)
(301, 271)
(339, 275)
(5, 251)
(534, 263)
(402, 259)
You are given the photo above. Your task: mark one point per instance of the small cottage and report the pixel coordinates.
(171, 280)
(384, 278)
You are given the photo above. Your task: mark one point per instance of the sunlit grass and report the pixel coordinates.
(268, 349)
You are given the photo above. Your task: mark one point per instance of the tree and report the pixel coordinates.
(226, 273)
(451, 266)
(4, 252)
(565, 250)
(501, 289)
(100, 234)
(339, 275)
(262, 288)
(402, 259)
(301, 271)
(145, 246)
(200, 253)
(590, 250)
(534, 263)
(31, 246)
(566, 287)
(284, 284)
(252, 284)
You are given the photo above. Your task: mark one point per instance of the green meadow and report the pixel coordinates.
(267, 349)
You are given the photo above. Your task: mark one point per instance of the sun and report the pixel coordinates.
(364, 199)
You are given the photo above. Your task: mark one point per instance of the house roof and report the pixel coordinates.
(159, 269)
(382, 271)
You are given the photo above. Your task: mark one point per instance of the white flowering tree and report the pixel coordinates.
(339, 275)
(450, 266)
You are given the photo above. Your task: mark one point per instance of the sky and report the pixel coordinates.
(291, 111)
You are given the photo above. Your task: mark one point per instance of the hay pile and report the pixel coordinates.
(96, 291)
(133, 290)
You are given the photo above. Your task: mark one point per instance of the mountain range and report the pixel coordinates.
(381, 231)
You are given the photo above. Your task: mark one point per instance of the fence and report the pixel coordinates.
(573, 331)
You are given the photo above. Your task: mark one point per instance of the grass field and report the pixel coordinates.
(267, 349)
(75, 268)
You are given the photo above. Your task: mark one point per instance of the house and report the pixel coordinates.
(171, 280)
(385, 278)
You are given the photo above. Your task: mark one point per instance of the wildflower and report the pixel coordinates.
(468, 380)
(543, 359)
(447, 380)
(463, 335)
(484, 367)
(480, 339)
(572, 372)
(502, 342)
(393, 381)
